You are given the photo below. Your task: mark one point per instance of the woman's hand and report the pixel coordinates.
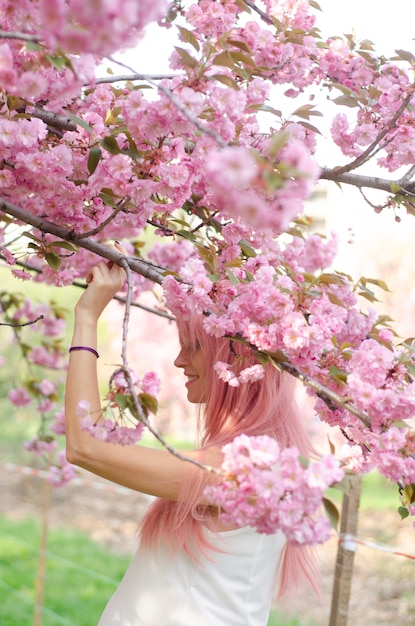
(104, 280)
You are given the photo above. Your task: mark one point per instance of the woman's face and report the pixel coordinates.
(193, 362)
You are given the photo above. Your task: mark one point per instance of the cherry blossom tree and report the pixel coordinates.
(202, 162)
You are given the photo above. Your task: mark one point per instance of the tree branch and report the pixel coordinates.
(133, 77)
(120, 206)
(19, 325)
(367, 154)
(23, 36)
(263, 15)
(324, 393)
(144, 268)
(357, 180)
(55, 120)
(180, 107)
(81, 285)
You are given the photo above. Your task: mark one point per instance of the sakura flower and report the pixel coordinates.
(19, 397)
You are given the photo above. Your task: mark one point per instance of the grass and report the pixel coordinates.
(80, 576)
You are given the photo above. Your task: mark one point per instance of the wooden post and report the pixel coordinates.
(41, 568)
(345, 554)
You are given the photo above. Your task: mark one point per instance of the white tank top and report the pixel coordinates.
(233, 587)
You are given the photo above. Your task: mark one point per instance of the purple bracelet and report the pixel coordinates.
(73, 348)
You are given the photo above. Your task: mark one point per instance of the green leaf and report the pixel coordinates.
(60, 61)
(335, 299)
(346, 101)
(232, 278)
(406, 56)
(186, 58)
(224, 58)
(110, 144)
(107, 197)
(306, 111)
(269, 109)
(240, 57)
(309, 126)
(94, 158)
(79, 122)
(148, 402)
(52, 260)
(189, 37)
(247, 249)
(32, 46)
(332, 513)
(122, 401)
(63, 244)
(403, 512)
(338, 374)
(330, 279)
(226, 80)
(242, 45)
(378, 283)
(186, 235)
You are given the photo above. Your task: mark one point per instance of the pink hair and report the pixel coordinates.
(265, 407)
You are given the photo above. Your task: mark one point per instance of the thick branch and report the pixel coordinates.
(22, 36)
(374, 182)
(52, 119)
(76, 283)
(144, 268)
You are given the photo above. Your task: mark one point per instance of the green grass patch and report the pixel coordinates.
(80, 575)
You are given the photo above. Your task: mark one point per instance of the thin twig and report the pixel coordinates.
(374, 206)
(132, 77)
(120, 206)
(257, 10)
(137, 405)
(169, 94)
(368, 153)
(323, 392)
(18, 325)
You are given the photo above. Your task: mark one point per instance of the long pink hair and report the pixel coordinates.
(265, 407)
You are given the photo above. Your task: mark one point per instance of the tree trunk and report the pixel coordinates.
(345, 554)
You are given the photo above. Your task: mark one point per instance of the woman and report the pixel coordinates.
(190, 569)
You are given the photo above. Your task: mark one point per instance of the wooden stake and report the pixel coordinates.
(41, 568)
(345, 554)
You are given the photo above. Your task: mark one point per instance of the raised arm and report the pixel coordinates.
(155, 472)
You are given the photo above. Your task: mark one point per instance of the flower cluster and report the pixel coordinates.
(130, 400)
(270, 489)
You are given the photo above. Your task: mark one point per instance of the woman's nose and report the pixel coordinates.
(180, 360)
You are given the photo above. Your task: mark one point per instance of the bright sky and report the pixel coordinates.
(389, 24)
(389, 29)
